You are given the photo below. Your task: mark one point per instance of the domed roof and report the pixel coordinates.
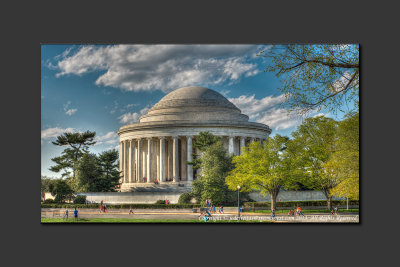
(193, 103)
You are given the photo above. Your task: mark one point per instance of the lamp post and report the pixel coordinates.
(238, 188)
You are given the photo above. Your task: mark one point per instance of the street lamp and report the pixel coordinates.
(238, 188)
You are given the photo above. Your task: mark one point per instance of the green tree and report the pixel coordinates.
(78, 144)
(98, 173)
(62, 190)
(315, 141)
(88, 173)
(316, 76)
(345, 161)
(215, 165)
(46, 185)
(266, 169)
(202, 142)
(108, 162)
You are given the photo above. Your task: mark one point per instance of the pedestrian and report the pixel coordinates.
(76, 214)
(221, 209)
(299, 211)
(273, 214)
(101, 207)
(130, 210)
(66, 214)
(213, 208)
(105, 208)
(208, 212)
(336, 210)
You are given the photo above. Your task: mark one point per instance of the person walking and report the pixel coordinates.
(336, 210)
(101, 207)
(221, 209)
(273, 215)
(130, 210)
(299, 211)
(76, 214)
(213, 208)
(66, 214)
(105, 208)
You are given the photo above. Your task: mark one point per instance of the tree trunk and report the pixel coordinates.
(329, 200)
(274, 195)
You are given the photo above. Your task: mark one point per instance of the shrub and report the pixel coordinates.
(81, 199)
(48, 201)
(185, 198)
(160, 201)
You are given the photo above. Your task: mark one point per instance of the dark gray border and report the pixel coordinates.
(26, 25)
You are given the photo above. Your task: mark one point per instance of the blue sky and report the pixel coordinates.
(102, 87)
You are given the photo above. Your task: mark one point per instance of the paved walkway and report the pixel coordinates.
(187, 214)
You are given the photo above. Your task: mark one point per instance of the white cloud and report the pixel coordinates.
(54, 132)
(161, 67)
(129, 118)
(69, 111)
(267, 111)
(109, 138)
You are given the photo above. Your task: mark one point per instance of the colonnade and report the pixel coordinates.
(164, 159)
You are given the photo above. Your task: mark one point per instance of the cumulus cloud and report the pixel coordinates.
(109, 138)
(267, 111)
(54, 132)
(160, 67)
(129, 118)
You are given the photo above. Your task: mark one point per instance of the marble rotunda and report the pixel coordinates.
(155, 151)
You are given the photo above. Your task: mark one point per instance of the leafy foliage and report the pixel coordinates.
(316, 76)
(185, 198)
(98, 174)
(266, 169)
(81, 199)
(78, 144)
(315, 143)
(345, 161)
(62, 191)
(202, 142)
(215, 165)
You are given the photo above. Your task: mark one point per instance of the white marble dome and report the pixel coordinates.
(194, 103)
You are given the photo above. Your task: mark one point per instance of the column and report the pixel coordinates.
(126, 161)
(175, 159)
(189, 159)
(149, 173)
(230, 145)
(139, 161)
(121, 159)
(242, 144)
(162, 159)
(132, 161)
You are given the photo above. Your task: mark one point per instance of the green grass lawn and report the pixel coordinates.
(127, 220)
(304, 211)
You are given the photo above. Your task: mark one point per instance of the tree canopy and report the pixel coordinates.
(266, 169)
(316, 76)
(315, 140)
(215, 165)
(78, 144)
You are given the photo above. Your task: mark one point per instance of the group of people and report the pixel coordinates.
(210, 208)
(65, 217)
(103, 208)
(334, 211)
(296, 211)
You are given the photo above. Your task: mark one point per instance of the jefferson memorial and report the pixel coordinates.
(155, 151)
